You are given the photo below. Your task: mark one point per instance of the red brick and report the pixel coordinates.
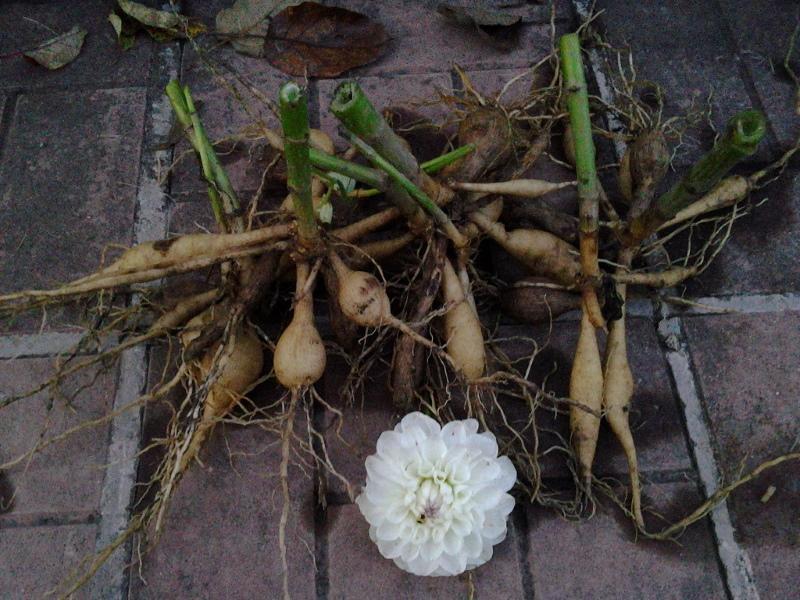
(747, 370)
(36, 559)
(599, 557)
(356, 568)
(67, 476)
(68, 177)
(221, 536)
(424, 41)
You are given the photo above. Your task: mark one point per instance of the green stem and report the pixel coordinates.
(440, 162)
(432, 166)
(585, 169)
(230, 203)
(362, 174)
(294, 119)
(408, 186)
(177, 99)
(745, 131)
(578, 107)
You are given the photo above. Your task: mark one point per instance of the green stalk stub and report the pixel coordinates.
(352, 107)
(294, 119)
(744, 132)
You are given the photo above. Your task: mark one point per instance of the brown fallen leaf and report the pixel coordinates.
(60, 50)
(322, 41)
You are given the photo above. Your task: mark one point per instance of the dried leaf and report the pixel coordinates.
(150, 17)
(126, 34)
(162, 25)
(499, 27)
(247, 21)
(322, 41)
(60, 50)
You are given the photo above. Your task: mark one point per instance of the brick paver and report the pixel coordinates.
(357, 570)
(655, 417)
(67, 191)
(65, 477)
(600, 559)
(221, 537)
(70, 144)
(101, 63)
(747, 371)
(763, 41)
(687, 70)
(36, 559)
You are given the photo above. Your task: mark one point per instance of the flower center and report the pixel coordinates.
(433, 497)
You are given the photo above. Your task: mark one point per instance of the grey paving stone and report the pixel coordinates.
(357, 570)
(65, 477)
(68, 179)
(761, 255)
(655, 414)
(36, 559)
(221, 537)
(762, 31)
(746, 368)
(683, 46)
(599, 557)
(101, 63)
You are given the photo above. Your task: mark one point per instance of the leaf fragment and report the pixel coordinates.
(161, 25)
(245, 24)
(60, 50)
(126, 34)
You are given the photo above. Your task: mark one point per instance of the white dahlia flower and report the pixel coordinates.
(436, 497)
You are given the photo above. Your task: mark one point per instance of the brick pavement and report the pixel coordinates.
(80, 156)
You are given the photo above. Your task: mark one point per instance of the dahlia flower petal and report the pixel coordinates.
(508, 475)
(417, 420)
(436, 497)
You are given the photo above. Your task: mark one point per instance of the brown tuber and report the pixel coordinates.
(462, 328)
(535, 300)
(543, 253)
(300, 359)
(362, 297)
